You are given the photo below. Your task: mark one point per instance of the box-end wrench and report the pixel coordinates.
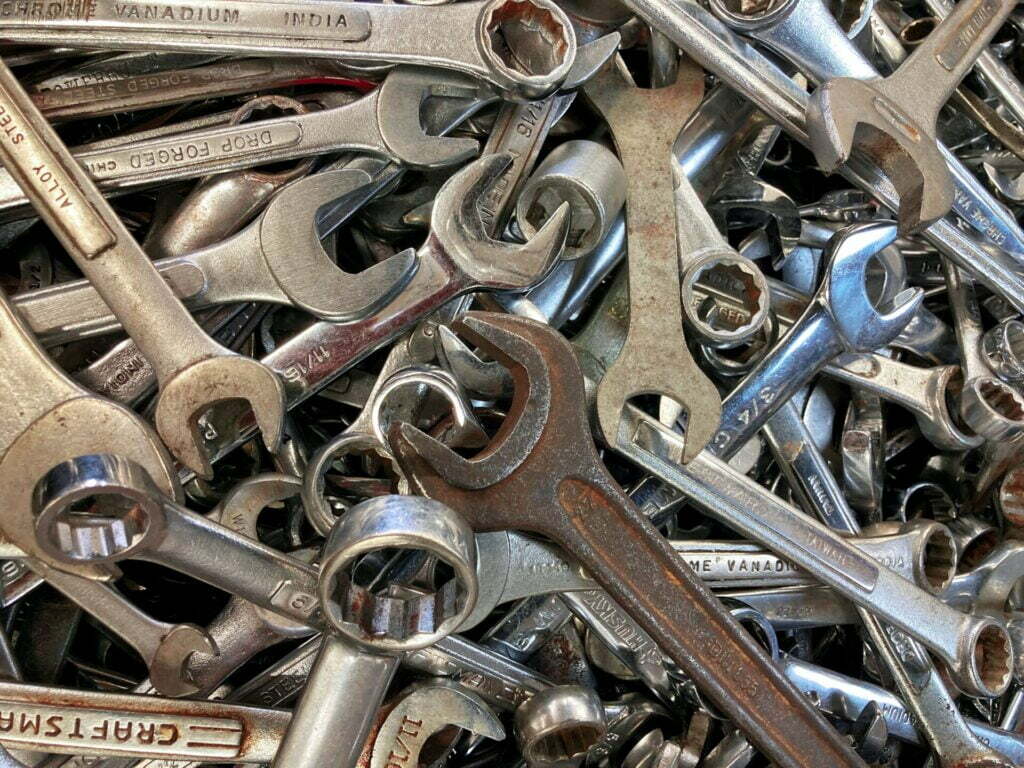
(194, 371)
(373, 624)
(277, 258)
(893, 119)
(578, 505)
(385, 122)
(819, 335)
(525, 47)
(654, 358)
(720, 50)
(48, 419)
(977, 649)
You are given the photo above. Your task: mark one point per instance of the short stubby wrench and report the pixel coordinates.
(840, 318)
(527, 480)
(523, 46)
(277, 258)
(373, 624)
(893, 119)
(193, 370)
(654, 358)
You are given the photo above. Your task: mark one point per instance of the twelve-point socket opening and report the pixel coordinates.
(991, 659)
(528, 40)
(938, 559)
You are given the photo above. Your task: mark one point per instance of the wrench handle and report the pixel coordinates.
(638, 567)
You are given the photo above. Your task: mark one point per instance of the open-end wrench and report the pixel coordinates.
(167, 649)
(576, 504)
(840, 318)
(276, 258)
(654, 358)
(523, 46)
(194, 371)
(75, 722)
(739, 64)
(458, 257)
(385, 122)
(977, 649)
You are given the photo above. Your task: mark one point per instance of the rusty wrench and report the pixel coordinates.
(528, 480)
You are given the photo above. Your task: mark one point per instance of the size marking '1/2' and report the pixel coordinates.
(43, 177)
(84, 730)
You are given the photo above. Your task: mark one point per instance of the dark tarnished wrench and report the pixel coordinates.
(654, 358)
(541, 474)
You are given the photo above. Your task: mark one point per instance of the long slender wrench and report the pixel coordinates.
(720, 50)
(528, 480)
(523, 46)
(654, 358)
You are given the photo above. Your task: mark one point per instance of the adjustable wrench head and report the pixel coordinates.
(290, 245)
(844, 290)
(846, 112)
(458, 229)
(80, 426)
(189, 394)
(400, 101)
(542, 365)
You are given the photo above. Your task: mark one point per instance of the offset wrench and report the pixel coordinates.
(194, 371)
(523, 46)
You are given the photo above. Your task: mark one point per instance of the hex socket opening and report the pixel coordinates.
(991, 659)
(938, 559)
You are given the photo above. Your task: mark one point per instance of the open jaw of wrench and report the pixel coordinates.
(523, 46)
(893, 119)
(654, 358)
(194, 371)
(386, 122)
(276, 258)
(542, 475)
(840, 318)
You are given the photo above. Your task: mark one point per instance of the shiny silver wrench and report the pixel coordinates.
(194, 371)
(523, 46)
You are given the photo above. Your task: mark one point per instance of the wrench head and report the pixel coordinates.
(540, 361)
(529, 46)
(290, 246)
(400, 101)
(458, 229)
(80, 426)
(845, 113)
(168, 669)
(433, 707)
(861, 324)
(240, 509)
(184, 398)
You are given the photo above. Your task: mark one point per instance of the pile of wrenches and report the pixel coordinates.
(540, 383)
